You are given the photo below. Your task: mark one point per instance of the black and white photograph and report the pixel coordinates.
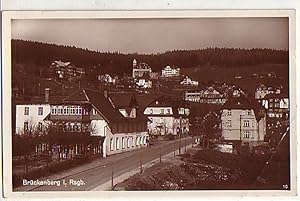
(152, 103)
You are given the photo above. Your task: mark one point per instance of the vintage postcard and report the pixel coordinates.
(200, 102)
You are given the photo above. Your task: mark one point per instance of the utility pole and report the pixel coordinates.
(180, 131)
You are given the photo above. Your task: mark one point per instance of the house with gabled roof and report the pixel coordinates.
(94, 112)
(167, 116)
(243, 121)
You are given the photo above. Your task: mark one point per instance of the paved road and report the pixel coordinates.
(100, 171)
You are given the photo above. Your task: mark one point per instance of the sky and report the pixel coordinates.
(155, 35)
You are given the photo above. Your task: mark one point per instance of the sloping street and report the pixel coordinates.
(98, 172)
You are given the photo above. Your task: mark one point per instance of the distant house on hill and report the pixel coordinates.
(187, 81)
(106, 78)
(168, 71)
(140, 69)
(66, 70)
(243, 121)
(208, 95)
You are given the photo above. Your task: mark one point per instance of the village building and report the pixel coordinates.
(208, 95)
(140, 69)
(106, 78)
(277, 105)
(122, 129)
(262, 90)
(30, 115)
(66, 70)
(167, 117)
(243, 121)
(168, 71)
(144, 82)
(187, 81)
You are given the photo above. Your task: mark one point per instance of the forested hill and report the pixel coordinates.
(39, 55)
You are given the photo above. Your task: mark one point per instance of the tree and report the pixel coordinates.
(211, 127)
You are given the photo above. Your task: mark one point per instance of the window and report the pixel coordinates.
(132, 140)
(151, 111)
(249, 112)
(111, 145)
(246, 123)
(246, 134)
(161, 111)
(117, 143)
(26, 111)
(229, 113)
(72, 110)
(25, 126)
(128, 142)
(137, 141)
(40, 111)
(65, 110)
(229, 123)
(52, 110)
(123, 143)
(168, 111)
(94, 111)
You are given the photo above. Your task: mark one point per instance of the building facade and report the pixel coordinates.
(94, 112)
(187, 81)
(243, 121)
(66, 70)
(208, 95)
(31, 117)
(167, 118)
(277, 105)
(168, 71)
(263, 90)
(140, 69)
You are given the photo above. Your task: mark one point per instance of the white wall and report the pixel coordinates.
(237, 130)
(33, 118)
(98, 127)
(157, 110)
(166, 122)
(132, 141)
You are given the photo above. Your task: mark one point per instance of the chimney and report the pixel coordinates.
(47, 95)
(105, 93)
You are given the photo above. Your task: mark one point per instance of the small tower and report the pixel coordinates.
(134, 63)
(134, 66)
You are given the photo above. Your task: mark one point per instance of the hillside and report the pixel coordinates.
(36, 57)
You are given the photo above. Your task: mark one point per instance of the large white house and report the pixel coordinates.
(30, 116)
(243, 121)
(170, 72)
(167, 117)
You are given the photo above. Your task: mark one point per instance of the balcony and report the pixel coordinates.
(77, 118)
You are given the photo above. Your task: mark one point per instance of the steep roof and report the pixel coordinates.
(97, 99)
(160, 102)
(245, 103)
